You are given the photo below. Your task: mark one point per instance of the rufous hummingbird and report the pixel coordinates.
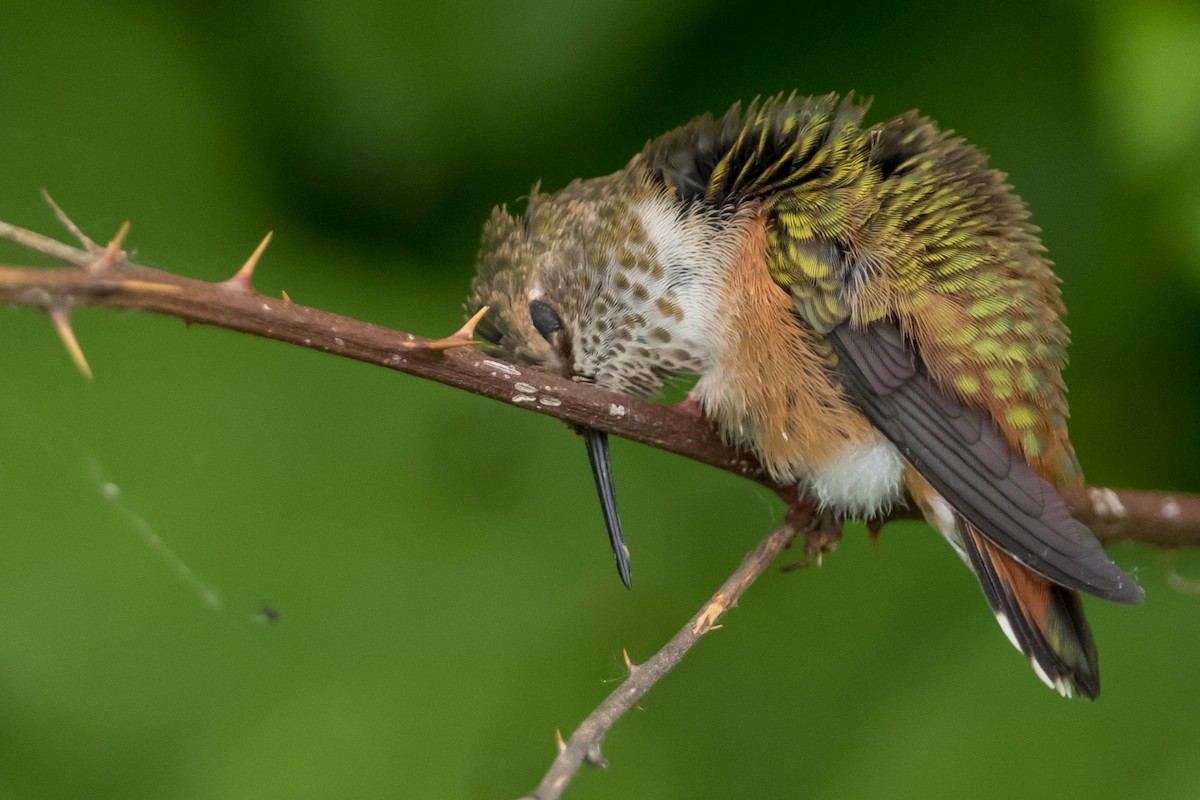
(867, 310)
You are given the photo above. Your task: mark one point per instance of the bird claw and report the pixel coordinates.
(689, 406)
(822, 531)
(822, 535)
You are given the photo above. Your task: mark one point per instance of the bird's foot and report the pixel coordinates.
(689, 406)
(822, 530)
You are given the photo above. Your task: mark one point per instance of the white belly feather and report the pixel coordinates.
(864, 481)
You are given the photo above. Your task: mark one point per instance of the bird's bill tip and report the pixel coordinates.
(597, 448)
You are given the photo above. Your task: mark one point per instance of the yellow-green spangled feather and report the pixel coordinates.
(901, 221)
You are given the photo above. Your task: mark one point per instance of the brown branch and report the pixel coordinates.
(236, 306)
(584, 744)
(103, 277)
(97, 279)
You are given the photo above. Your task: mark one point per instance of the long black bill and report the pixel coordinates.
(597, 447)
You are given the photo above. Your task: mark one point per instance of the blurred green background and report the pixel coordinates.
(445, 595)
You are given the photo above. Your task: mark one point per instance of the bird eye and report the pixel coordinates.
(545, 319)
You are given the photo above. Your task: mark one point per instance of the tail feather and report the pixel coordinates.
(1042, 619)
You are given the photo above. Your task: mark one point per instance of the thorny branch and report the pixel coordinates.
(584, 744)
(95, 276)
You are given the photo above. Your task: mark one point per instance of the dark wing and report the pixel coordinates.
(963, 455)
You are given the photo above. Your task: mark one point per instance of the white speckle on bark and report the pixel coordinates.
(524, 398)
(525, 387)
(615, 410)
(550, 402)
(507, 369)
(1170, 508)
(1106, 503)
(339, 341)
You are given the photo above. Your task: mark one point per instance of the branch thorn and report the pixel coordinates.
(62, 323)
(558, 740)
(629, 665)
(595, 757)
(287, 298)
(70, 225)
(108, 258)
(706, 620)
(242, 279)
(460, 338)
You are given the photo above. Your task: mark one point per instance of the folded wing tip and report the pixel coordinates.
(1126, 592)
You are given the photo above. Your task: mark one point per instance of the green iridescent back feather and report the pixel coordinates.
(898, 220)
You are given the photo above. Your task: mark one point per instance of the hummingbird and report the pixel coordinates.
(867, 310)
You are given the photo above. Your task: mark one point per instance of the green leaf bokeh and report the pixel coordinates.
(438, 564)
